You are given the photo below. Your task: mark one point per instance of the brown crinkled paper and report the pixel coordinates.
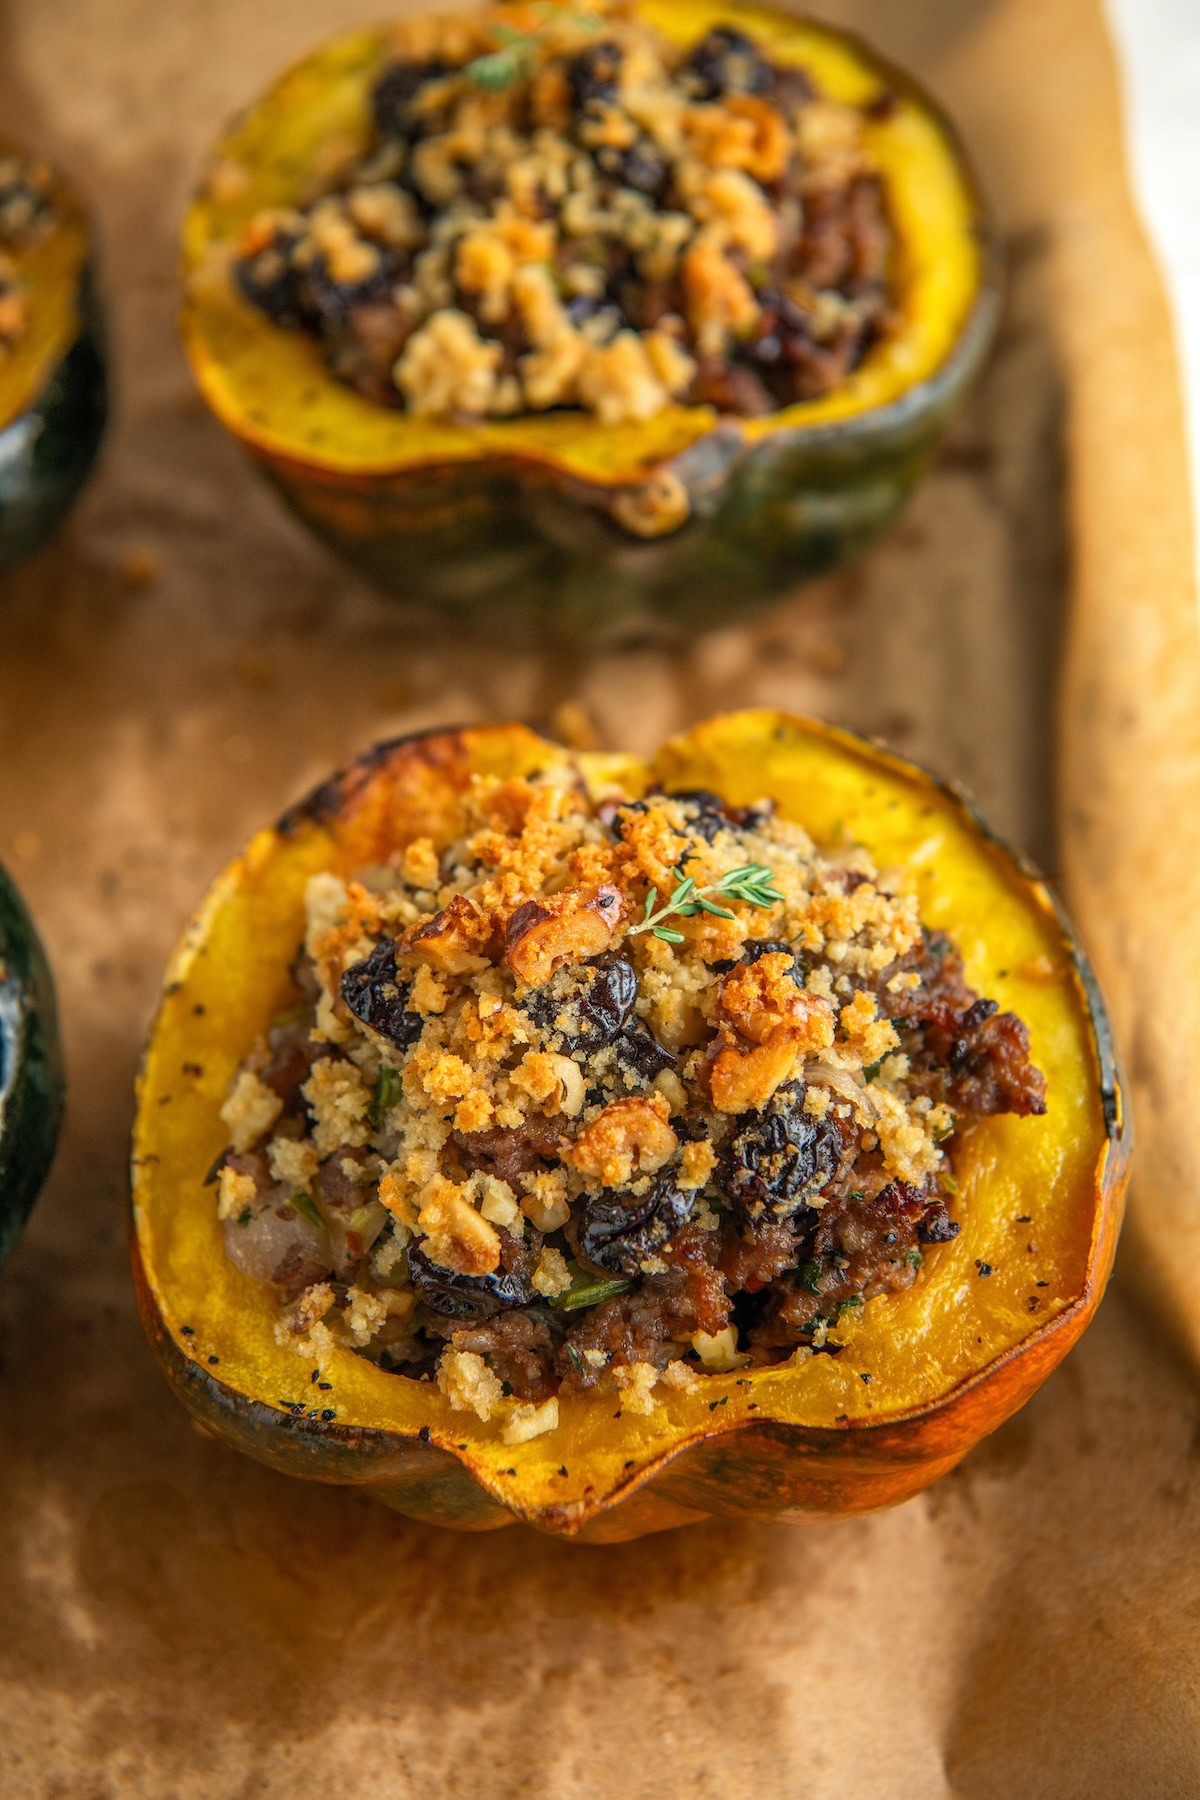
(174, 1620)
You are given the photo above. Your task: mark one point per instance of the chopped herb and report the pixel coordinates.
(214, 1359)
(856, 1194)
(723, 1401)
(296, 1015)
(1025, 1219)
(949, 1183)
(328, 1413)
(863, 1376)
(388, 1092)
(245, 1216)
(587, 1290)
(914, 1259)
(850, 1304)
(808, 1276)
(751, 882)
(303, 1204)
(326, 1385)
(984, 1268)
(872, 1070)
(576, 1359)
(500, 68)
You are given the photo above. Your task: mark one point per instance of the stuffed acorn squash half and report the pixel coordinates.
(31, 1082)
(580, 318)
(53, 400)
(606, 1143)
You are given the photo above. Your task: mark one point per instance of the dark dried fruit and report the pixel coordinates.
(608, 1002)
(271, 282)
(728, 62)
(332, 301)
(466, 1296)
(594, 76)
(393, 95)
(602, 993)
(378, 996)
(709, 814)
(760, 947)
(639, 1051)
(779, 1159)
(640, 168)
(617, 1232)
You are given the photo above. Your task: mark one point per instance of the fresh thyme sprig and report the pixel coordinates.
(752, 882)
(500, 68)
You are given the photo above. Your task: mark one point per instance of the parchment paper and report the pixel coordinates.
(175, 1621)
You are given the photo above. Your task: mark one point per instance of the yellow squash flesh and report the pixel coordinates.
(1039, 1199)
(49, 272)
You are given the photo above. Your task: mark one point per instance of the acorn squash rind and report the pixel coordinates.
(31, 1080)
(781, 1443)
(551, 522)
(53, 385)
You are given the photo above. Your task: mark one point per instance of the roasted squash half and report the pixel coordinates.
(31, 1082)
(53, 390)
(554, 521)
(950, 1359)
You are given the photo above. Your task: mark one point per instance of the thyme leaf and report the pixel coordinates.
(752, 882)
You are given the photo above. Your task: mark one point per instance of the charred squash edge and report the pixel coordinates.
(31, 1080)
(759, 1467)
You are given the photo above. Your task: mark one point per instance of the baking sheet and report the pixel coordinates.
(175, 1620)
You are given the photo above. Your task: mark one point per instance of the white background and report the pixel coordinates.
(1158, 43)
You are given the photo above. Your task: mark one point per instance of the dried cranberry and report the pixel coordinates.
(466, 1296)
(378, 996)
(617, 1232)
(779, 1159)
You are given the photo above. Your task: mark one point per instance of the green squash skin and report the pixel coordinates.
(524, 553)
(31, 1079)
(46, 454)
